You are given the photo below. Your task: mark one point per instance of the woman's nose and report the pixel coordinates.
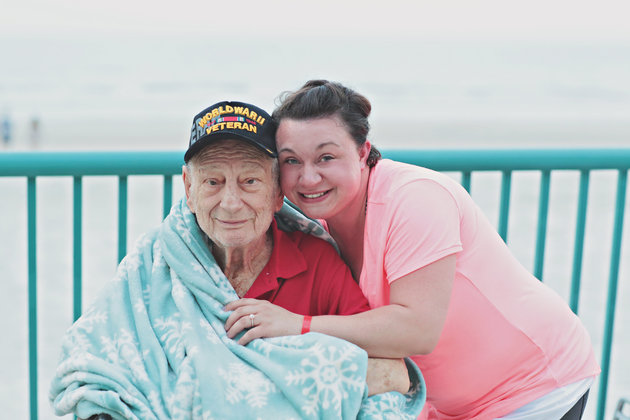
(310, 176)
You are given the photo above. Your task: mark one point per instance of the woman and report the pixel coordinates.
(490, 339)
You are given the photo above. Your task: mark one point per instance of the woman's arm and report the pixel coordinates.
(410, 324)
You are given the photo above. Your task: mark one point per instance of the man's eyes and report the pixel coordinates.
(248, 181)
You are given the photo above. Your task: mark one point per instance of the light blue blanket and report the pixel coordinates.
(153, 346)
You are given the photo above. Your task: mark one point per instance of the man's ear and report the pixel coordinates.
(279, 200)
(187, 178)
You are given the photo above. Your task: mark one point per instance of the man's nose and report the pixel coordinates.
(231, 199)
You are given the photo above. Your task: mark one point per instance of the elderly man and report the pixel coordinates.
(154, 344)
(232, 186)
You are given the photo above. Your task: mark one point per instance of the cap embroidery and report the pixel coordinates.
(216, 112)
(213, 126)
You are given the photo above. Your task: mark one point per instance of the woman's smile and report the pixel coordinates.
(313, 196)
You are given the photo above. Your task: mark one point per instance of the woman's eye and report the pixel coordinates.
(250, 181)
(326, 158)
(291, 161)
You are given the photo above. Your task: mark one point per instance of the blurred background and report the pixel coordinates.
(130, 75)
(489, 73)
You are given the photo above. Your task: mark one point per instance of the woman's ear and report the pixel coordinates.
(364, 153)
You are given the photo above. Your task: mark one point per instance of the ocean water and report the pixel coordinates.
(141, 93)
(135, 92)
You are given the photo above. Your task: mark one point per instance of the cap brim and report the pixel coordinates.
(200, 144)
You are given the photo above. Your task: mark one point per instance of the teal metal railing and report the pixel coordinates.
(77, 165)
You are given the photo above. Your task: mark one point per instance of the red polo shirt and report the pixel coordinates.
(305, 275)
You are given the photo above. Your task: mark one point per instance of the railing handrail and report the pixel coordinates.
(70, 163)
(514, 159)
(85, 163)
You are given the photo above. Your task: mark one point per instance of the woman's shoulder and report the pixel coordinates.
(390, 180)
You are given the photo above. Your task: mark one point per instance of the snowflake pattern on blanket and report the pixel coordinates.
(153, 346)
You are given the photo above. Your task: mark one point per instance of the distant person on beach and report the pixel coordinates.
(34, 132)
(154, 344)
(492, 341)
(6, 131)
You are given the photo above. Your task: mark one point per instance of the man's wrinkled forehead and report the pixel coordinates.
(230, 152)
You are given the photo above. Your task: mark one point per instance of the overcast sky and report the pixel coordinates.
(575, 20)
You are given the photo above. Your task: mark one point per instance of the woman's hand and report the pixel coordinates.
(269, 320)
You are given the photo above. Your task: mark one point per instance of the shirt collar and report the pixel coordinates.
(286, 261)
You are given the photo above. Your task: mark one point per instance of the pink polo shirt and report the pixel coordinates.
(508, 339)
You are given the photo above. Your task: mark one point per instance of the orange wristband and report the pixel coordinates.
(306, 324)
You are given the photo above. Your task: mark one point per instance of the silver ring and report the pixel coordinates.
(251, 318)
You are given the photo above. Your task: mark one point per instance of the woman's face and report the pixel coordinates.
(320, 165)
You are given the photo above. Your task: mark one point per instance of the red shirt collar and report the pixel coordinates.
(286, 261)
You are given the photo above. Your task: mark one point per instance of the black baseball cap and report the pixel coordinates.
(232, 120)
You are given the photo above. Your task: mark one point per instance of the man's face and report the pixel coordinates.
(232, 189)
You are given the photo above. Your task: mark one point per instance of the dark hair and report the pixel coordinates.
(321, 98)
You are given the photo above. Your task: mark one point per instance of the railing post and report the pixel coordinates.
(578, 248)
(32, 293)
(504, 211)
(122, 217)
(541, 235)
(167, 198)
(77, 244)
(611, 301)
(466, 180)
